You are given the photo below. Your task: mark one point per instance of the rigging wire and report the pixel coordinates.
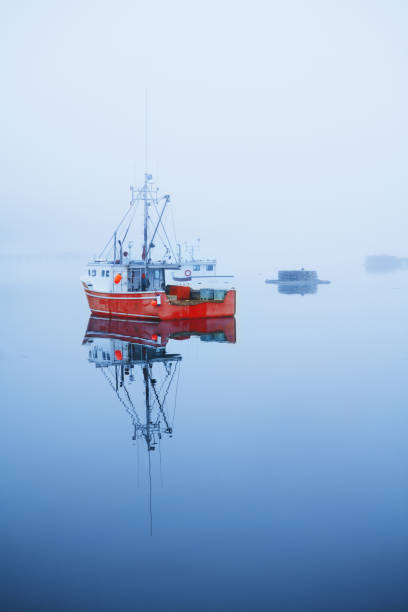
(175, 398)
(138, 463)
(166, 376)
(130, 222)
(165, 233)
(161, 404)
(131, 412)
(160, 459)
(131, 403)
(159, 235)
(173, 225)
(116, 230)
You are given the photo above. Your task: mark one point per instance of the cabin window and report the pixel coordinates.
(108, 356)
(157, 274)
(107, 273)
(196, 268)
(89, 273)
(210, 267)
(103, 355)
(93, 272)
(103, 272)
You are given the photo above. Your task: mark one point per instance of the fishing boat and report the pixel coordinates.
(117, 283)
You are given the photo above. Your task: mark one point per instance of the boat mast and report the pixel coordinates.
(145, 195)
(146, 216)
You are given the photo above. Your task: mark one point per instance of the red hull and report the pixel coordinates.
(144, 306)
(158, 333)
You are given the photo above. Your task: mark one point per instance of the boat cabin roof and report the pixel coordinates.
(198, 261)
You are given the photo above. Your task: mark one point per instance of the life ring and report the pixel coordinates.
(187, 273)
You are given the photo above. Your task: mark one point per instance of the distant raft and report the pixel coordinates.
(385, 263)
(297, 281)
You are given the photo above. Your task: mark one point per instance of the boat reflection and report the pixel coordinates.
(298, 288)
(130, 353)
(297, 282)
(132, 357)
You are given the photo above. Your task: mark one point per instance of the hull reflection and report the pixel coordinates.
(158, 333)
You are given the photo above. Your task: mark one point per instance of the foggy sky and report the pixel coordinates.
(278, 128)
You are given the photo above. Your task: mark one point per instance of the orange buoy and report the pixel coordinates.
(118, 355)
(153, 303)
(117, 278)
(154, 337)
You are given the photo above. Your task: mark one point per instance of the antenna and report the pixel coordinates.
(146, 130)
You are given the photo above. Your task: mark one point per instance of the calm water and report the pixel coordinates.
(283, 487)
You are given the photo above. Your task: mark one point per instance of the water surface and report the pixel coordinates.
(284, 482)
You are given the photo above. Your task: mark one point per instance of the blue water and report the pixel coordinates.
(283, 487)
